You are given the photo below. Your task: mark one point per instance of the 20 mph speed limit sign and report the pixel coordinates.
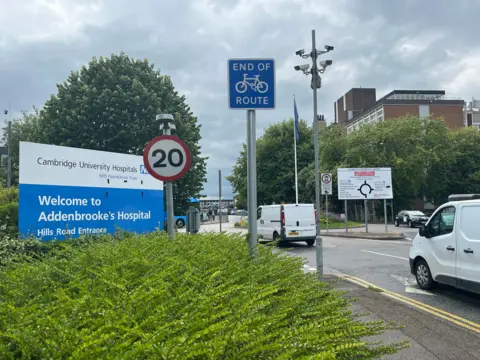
(167, 158)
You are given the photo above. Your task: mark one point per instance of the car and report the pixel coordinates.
(242, 213)
(447, 248)
(412, 218)
(287, 223)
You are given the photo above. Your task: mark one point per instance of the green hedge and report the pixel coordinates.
(198, 297)
(8, 212)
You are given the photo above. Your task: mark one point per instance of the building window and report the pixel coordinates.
(469, 120)
(380, 114)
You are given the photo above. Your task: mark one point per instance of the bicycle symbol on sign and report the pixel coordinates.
(254, 83)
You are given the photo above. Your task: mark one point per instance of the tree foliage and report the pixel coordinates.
(25, 128)
(464, 171)
(275, 163)
(110, 105)
(427, 160)
(200, 297)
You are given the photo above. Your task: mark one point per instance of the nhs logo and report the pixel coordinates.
(143, 170)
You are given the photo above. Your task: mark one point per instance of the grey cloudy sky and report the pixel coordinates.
(401, 44)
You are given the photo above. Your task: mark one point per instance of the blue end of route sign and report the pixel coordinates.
(251, 84)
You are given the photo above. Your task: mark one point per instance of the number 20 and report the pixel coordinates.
(160, 162)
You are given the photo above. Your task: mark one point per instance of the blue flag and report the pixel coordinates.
(295, 112)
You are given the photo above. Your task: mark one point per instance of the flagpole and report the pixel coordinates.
(295, 155)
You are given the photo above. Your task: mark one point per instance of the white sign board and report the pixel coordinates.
(326, 181)
(42, 164)
(365, 183)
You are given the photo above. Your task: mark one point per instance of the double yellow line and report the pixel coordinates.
(467, 324)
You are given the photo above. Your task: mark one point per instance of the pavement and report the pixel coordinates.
(374, 231)
(440, 324)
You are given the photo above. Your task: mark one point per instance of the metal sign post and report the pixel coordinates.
(252, 181)
(326, 189)
(9, 160)
(346, 217)
(251, 86)
(167, 158)
(220, 198)
(365, 210)
(385, 214)
(326, 209)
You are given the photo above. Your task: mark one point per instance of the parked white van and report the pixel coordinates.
(447, 247)
(288, 222)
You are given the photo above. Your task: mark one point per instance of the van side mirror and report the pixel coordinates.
(423, 232)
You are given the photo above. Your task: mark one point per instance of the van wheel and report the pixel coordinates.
(276, 238)
(423, 275)
(310, 242)
(180, 223)
(396, 223)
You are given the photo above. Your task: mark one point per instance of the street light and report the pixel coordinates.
(315, 84)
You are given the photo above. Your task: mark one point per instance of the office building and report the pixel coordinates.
(472, 113)
(397, 103)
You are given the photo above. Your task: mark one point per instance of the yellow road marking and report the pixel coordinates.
(467, 324)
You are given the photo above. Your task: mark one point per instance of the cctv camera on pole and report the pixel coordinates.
(315, 84)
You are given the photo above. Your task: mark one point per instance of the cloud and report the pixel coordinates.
(382, 44)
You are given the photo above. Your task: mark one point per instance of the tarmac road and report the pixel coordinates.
(385, 264)
(382, 263)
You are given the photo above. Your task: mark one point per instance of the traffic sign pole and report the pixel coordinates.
(346, 217)
(365, 211)
(326, 208)
(220, 198)
(385, 214)
(251, 86)
(252, 181)
(169, 190)
(167, 158)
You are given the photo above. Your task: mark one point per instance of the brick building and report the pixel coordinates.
(358, 107)
(472, 113)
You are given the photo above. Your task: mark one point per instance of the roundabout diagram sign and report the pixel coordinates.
(167, 158)
(364, 184)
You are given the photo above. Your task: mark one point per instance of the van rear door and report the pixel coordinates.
(299, 221)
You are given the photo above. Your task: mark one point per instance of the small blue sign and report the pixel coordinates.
(251, 84)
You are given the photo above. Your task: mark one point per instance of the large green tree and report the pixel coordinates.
(111, 105)
(464, 172)
(332, 148)
(275, 163)
(416, 149)
(25, 128)
(427, 159)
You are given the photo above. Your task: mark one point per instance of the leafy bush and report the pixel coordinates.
(198, 297)
(8, 212)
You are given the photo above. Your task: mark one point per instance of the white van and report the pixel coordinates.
(447, 247)
(288, 222)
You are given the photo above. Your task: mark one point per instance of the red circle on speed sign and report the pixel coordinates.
(167, 158)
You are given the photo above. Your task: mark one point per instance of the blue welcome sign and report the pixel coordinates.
(67, 192)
